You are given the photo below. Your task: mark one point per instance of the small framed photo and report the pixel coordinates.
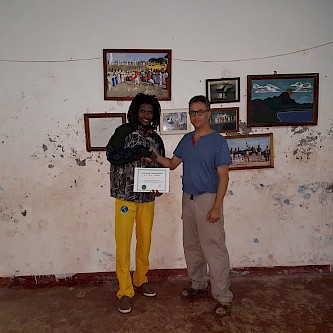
(99, 128)
(251, 151)
(225, 90)
(282, 100)
(128, 72)
(175, 121)
(225, 120)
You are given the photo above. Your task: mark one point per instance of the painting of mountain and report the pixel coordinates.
(282, 100)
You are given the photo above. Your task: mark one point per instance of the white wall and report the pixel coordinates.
(56, 216)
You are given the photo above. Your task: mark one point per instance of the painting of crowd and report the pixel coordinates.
(150, 76)
(127, 77)
(250, 152)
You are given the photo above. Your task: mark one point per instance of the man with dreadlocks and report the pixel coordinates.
(127, 148)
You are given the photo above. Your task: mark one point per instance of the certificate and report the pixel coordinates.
(151, 179)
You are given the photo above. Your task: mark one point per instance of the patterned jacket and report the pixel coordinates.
(124, 151)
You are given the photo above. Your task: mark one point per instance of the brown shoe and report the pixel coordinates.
(191, 293)
(124, 305)
(146, 289)
(222, 310)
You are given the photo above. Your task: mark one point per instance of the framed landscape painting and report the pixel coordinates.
(128, 72)
(282, 100)
(225, 120)
(175, 121)
(251, 151)
(99, 128)
(225, 90)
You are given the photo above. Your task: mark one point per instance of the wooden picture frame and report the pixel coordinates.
(224, 120)
(175, 121)
(251, 151)
(99, 128)
(282, 100)
(128, 72)
(224, 90)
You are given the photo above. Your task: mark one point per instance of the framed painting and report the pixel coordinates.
(251, 151)
(128, 72)
(282, 100)
(225, 90)
(225, 120)
(99, 127)
(175, 121)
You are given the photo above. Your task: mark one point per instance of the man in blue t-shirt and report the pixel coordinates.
(206, 159)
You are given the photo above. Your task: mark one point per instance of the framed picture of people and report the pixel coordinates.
(224, 120)
(128, 72)
(251, 151)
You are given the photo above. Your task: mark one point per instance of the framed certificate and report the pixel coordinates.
(151, 179)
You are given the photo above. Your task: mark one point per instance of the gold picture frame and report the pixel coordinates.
(251, 151)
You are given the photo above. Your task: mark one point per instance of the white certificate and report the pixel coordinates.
(151, 179)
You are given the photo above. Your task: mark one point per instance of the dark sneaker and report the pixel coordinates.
(125, 304)
(146, 289)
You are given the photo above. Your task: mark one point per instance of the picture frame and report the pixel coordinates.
(128, 72)
(224, 120)
(251, 151)
(99, 128)
(282, 100)
(224, 90)
(175, 121)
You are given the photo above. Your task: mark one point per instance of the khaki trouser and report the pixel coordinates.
(125, 215)
(204, 243)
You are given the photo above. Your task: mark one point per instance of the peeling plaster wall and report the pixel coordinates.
(56, 216)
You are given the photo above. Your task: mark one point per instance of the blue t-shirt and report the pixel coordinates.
(200, 161)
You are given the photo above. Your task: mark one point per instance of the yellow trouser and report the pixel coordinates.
(126, 213)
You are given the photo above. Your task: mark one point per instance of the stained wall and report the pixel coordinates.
(56, 216)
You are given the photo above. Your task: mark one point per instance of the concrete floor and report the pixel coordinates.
(300, 303)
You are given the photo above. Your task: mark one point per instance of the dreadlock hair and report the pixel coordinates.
(140, 99)
(200, 98)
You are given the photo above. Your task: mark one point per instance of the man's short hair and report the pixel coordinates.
(200, 98)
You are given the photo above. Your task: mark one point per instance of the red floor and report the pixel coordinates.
(289, 303)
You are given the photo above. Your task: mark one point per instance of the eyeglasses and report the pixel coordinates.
(199, 112)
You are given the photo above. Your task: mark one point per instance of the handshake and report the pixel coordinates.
(153, 155)
(149, 154)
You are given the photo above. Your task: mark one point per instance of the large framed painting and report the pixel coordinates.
(225, 90)
(128, 72)
(251, 151)
(99, 128)
(282, 100)
(224, 120)
(175, 121)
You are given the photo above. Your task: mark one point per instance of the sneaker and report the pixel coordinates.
(146, 289)
(125, 304)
